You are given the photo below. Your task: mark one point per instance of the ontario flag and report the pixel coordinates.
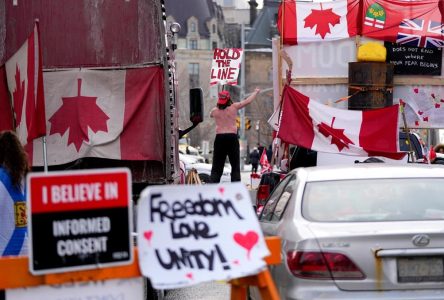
(412, 23)
(303, 22)
(114, 114)
(25, 83)
(312, 125)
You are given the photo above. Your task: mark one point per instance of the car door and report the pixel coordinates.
(276, 204)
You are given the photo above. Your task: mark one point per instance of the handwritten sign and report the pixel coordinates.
(196, 233)
(225, 66)
(79, 220)
(409, 60)
(423, 105)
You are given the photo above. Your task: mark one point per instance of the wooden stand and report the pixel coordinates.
(193, 177)
(262, 280)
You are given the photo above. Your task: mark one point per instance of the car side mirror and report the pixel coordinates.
(196, 105)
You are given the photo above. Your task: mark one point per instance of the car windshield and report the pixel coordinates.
(374, 200)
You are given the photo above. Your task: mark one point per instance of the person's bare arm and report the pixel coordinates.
(247, 100)
(211, 112)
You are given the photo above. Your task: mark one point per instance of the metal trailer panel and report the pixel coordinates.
(88, 33)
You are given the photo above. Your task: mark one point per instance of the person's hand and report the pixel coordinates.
(257, 91)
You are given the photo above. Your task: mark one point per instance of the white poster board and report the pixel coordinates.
(226, 65)
(196, 233)
(121, 289)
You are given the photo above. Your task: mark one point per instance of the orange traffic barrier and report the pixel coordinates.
(15, 274)
(262, 280)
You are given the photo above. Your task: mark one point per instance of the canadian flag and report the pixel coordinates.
(116, 114)
(303, 22)
(312, 125)
(265, 164)
(25, 82)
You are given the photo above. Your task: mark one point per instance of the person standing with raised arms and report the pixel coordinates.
(226, 142)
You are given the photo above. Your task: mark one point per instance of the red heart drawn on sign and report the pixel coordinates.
(425, 119)
(221, 190)
(148, 235)
(437, 105)
(247, 240)
(420, 112)
(416, 123)
(416, 90)
(433, 95)
(442, 100)
(189, 275)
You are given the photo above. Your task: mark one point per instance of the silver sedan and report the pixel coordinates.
(359, 232)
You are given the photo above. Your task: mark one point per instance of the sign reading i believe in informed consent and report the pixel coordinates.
(79, 220)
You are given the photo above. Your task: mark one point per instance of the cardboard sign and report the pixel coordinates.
(414, 60)
(196, 233)
(116, 289)
(423, 106)
(226, 65)
(79, 220)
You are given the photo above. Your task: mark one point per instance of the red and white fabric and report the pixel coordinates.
(265, 165)
(115, 114)
(25, 82)
(6, 122)
(307, 123)
(413, 23)
(304, 22)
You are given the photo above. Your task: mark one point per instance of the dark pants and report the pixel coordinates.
(225, 144)
(254, 167)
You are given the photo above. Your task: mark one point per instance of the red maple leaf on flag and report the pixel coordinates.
(322, 18)
(18, 95)
(337, 135)
(77, 114)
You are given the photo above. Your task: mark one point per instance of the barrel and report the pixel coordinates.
(370, 85)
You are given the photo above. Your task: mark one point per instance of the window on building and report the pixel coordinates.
(214, 45)
(214, 28)
(193, 27)
(193, 71)
(193, 44)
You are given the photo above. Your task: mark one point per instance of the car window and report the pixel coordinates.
(278, 200)
(372, 200)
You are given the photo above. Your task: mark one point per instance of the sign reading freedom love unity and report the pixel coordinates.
(79, 220)
(196, 233)
(225, 66)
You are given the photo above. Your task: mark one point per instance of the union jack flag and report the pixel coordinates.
(421, 33)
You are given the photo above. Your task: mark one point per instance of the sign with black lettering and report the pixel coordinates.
(414, 60)
(196, 233)
(79, 220)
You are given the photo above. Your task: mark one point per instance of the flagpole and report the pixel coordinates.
(45, 157)
(406, 130)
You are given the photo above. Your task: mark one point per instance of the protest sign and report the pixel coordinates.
(225, 66)
(79, 220)
(191, 234)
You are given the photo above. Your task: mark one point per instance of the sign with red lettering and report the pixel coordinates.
(79, 220)
(226, 65)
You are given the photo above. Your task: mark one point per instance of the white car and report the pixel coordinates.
(203, 169)
(365, 231)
